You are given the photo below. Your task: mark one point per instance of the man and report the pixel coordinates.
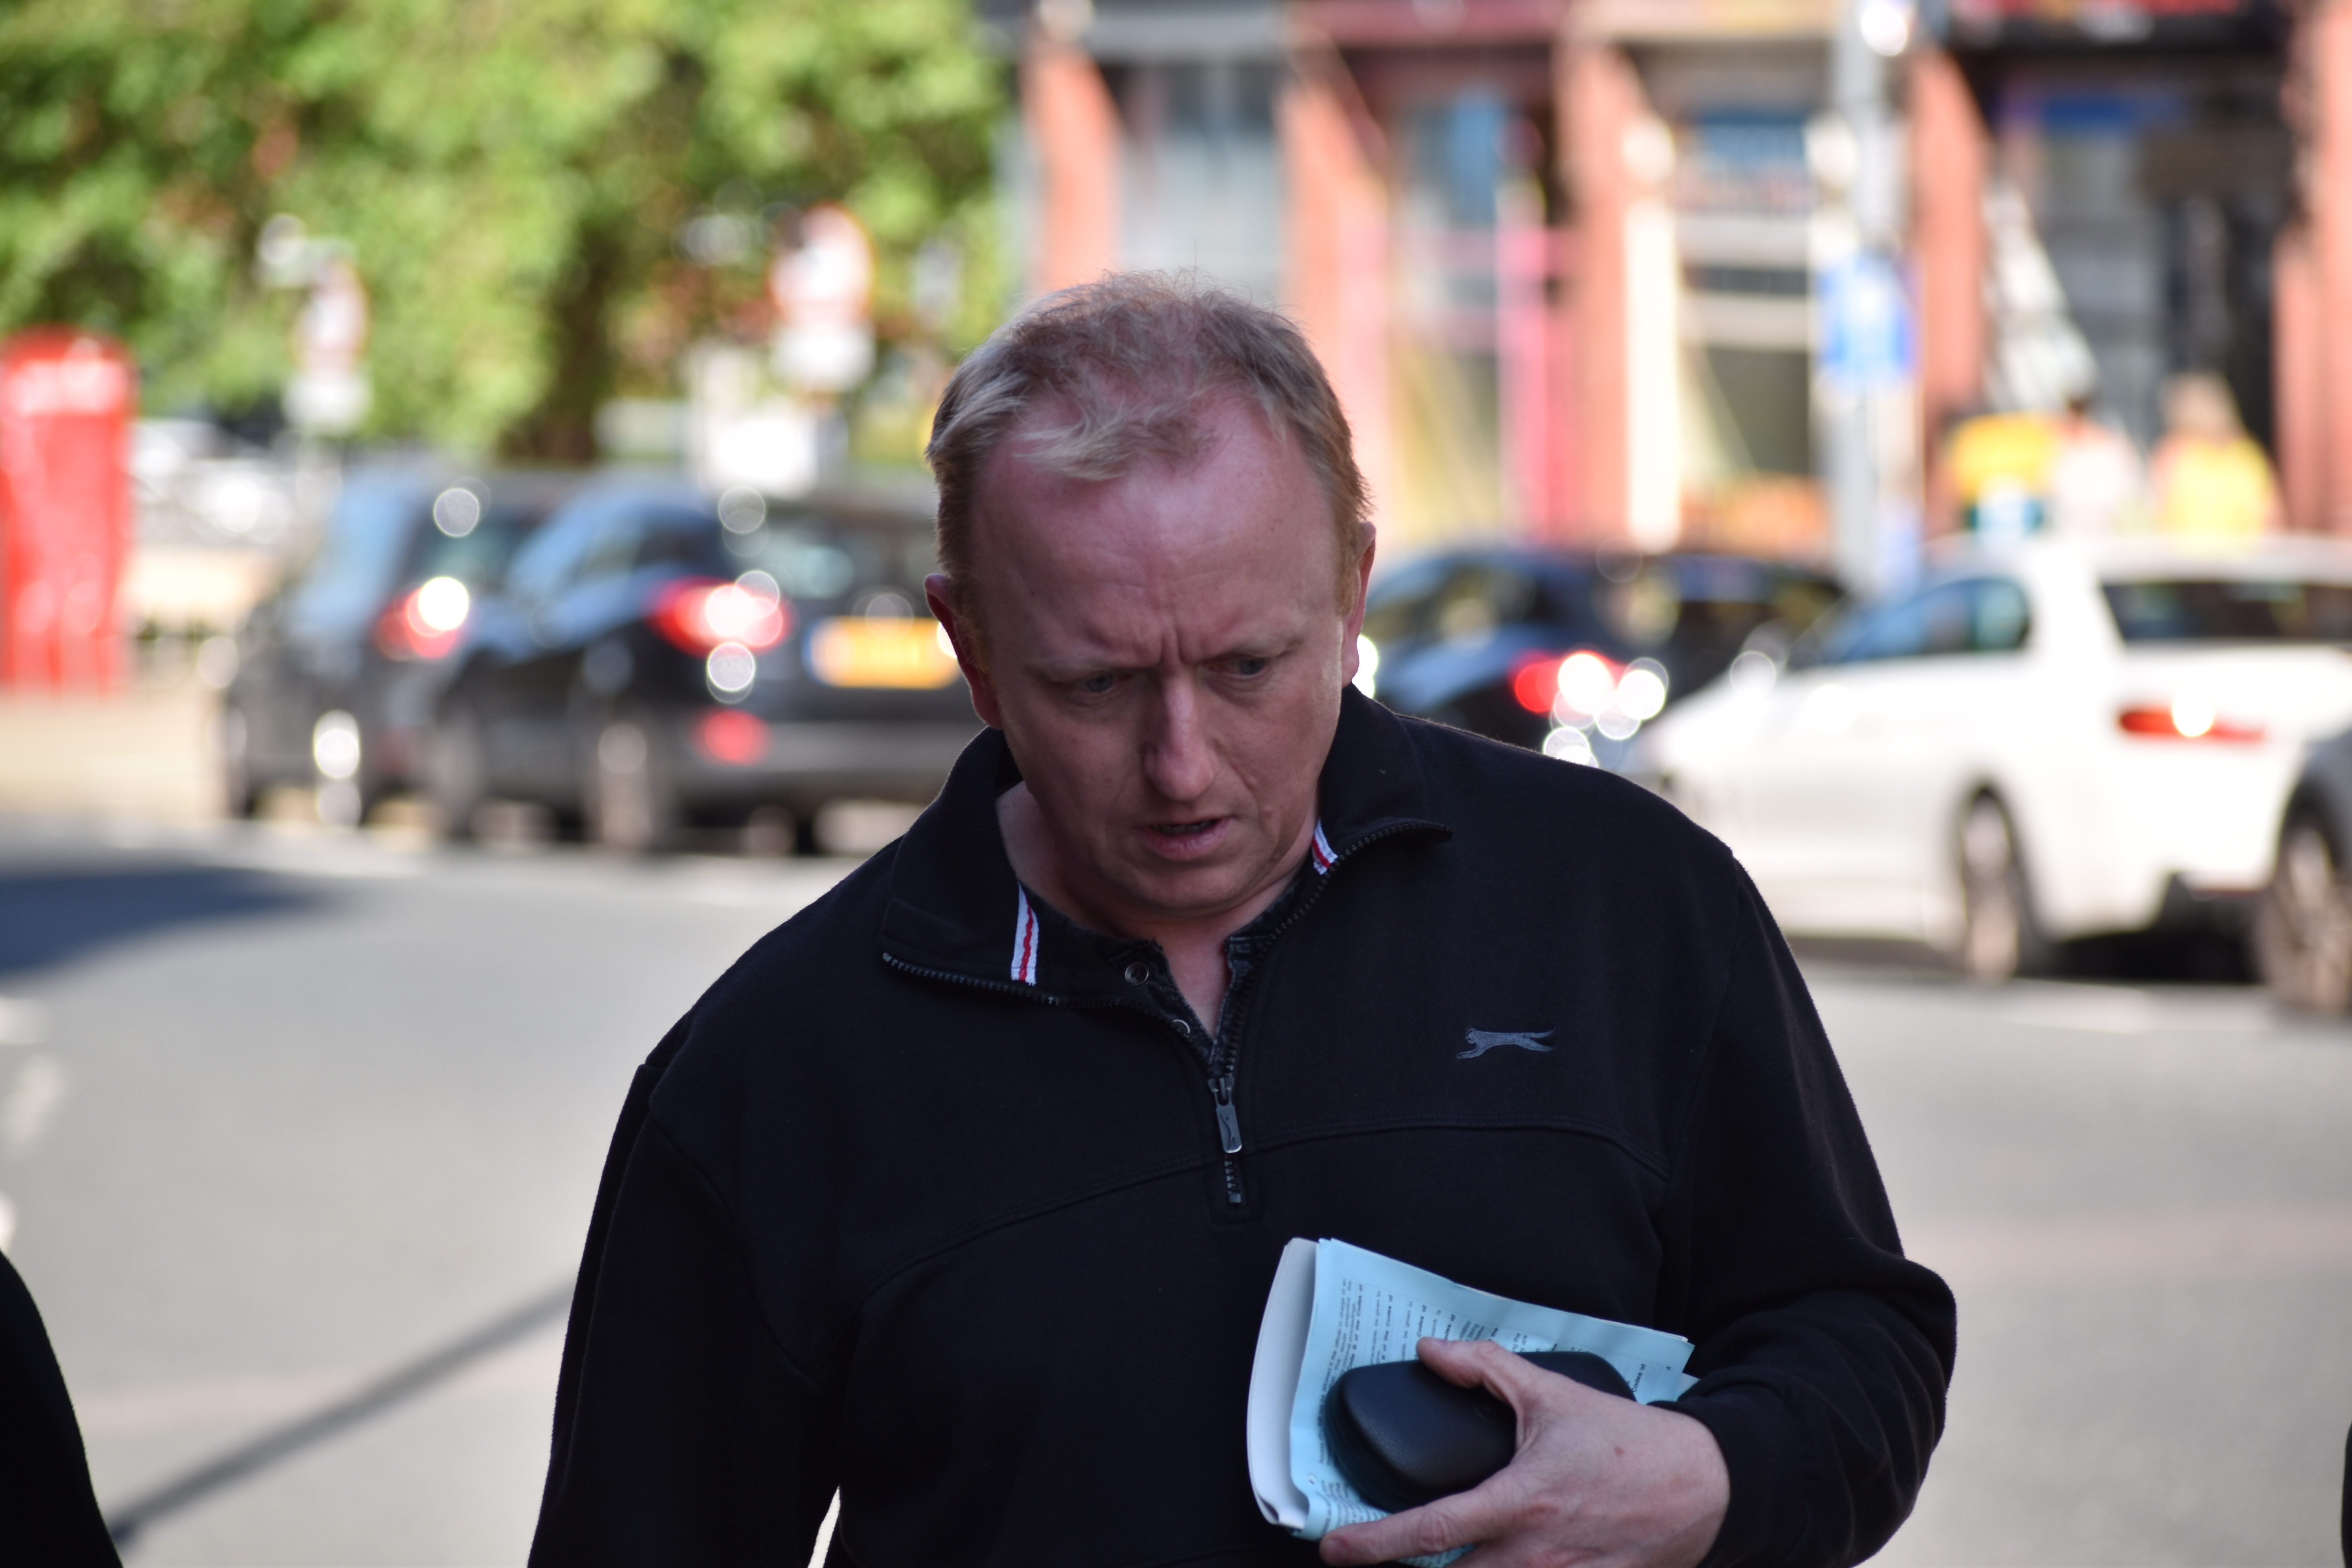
(963, 1190)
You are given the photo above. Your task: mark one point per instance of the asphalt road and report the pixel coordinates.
(280, 1113)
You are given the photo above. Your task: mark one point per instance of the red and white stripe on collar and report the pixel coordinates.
(1024, 940)
(1320, 851)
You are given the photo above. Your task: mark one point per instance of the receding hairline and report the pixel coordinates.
(1020, 440)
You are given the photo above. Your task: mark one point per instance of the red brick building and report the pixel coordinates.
(1563, 258)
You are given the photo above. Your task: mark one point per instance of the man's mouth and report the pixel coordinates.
(1184, 830)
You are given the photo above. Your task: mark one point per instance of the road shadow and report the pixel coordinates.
(2193, 957)
(56, 913)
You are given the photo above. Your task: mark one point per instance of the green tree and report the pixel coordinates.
(512, 176)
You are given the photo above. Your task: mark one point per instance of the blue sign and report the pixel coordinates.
(1867, 336)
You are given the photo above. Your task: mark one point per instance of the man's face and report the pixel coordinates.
(1165, 653)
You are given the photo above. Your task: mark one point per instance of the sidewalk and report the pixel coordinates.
(145, 752)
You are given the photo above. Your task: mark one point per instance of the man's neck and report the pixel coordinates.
(1195, 944)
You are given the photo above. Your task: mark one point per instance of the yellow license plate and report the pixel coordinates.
(904, 653)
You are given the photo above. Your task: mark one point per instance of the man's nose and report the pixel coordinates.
(1177, 756)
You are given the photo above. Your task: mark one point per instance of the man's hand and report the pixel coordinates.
(1597, 1480)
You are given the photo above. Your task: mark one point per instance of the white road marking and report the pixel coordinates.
(20, 1022)
(33, 1101)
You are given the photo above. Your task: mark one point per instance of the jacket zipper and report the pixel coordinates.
(1003, 987)
(1229, 1125)
(1226, 1065)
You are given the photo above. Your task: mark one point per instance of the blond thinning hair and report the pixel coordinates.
(1097, 379)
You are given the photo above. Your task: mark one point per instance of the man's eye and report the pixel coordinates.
(1096, 685)
(1250, 666)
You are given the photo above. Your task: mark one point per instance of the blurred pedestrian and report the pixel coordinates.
(963, 1192)
(2000, 466)
(2097, 487)
(2211, 481)
(47, 1513)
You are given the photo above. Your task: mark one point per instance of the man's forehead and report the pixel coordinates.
(1233, 461)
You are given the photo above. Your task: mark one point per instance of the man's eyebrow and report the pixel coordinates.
(1073, 666)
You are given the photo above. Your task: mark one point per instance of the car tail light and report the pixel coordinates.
(426, 620)
(1583, 683)
(2186, 720)
(698, 616)
(1535, 681)
(731, 735)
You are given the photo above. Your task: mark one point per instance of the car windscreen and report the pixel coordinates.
(875, 566)
(476, 556)
(1725, 601)
(354, 571)
(2230, 609)
(1459, 600)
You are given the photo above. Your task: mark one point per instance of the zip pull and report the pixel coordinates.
(1229, 1122)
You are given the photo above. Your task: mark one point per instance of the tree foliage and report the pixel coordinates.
(513, 177)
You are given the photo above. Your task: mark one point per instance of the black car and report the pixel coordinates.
(338, 671)
(2302, 921)
(1569, 651)
(660, 660)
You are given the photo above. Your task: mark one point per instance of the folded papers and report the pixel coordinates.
(1334, 1308)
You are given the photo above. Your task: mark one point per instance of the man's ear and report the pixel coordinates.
(1363, 577)
(939, 590)
(1349, 657)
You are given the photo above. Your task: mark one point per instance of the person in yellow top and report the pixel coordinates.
(2000, 466)
(2211, 481)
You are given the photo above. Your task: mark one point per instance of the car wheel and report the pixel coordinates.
(2303, 923)
(628, 799)
(453, 780)
(240, 796)
(1998, 938)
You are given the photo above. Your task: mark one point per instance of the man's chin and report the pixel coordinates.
(1194, 890)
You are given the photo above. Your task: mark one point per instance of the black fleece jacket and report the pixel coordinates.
(927, 1201)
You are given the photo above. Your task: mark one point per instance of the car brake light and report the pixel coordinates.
(424, 623)
(731, 735)
(1535, 681)
(700, 615)
(2185, 719)
(1582, 682)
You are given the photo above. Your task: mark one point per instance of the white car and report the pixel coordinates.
(2052, 741)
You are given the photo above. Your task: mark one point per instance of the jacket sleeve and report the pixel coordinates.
(683, 1432)
(1822, 1355)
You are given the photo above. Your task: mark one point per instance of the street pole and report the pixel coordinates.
(1865, 385)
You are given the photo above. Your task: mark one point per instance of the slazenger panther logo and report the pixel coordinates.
(1484, 1040)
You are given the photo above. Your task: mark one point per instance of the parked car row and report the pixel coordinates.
(2051, 742)
(629, 653)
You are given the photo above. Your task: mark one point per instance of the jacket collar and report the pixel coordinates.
(957, 911)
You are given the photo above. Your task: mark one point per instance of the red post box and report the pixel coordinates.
(66, 404)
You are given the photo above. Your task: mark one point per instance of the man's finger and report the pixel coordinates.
(1474, 1358)
(1513, 1379)
(1422, 1532)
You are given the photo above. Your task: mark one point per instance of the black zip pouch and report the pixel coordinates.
(1403, 1436)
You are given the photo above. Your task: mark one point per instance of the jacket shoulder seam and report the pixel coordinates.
(1572, 1126)
(1004, 1219)
(1741, 935)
